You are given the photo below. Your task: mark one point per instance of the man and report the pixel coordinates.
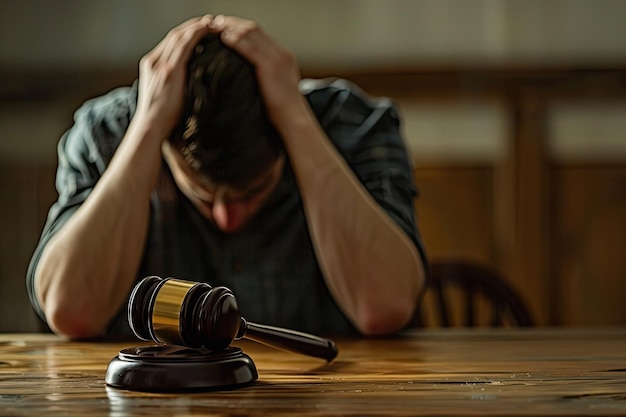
(319, 235)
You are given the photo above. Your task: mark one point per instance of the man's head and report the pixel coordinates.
(225, 152)
(225, 134)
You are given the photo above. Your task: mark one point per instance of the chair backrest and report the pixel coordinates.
(464, 293)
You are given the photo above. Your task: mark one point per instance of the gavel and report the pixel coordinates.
(195, 314)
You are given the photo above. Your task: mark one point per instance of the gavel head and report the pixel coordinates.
(184, 313)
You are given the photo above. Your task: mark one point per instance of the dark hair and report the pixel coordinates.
(224, 132)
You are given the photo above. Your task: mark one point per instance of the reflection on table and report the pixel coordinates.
(427, 372)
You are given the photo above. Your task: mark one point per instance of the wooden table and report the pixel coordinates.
(435, 372)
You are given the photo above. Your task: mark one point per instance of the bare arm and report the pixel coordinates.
(370, 265)
(86, 270)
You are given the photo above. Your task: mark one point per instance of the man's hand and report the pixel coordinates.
(276, 68)
(163, 73)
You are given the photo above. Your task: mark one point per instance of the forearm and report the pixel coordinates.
(87, 268)
(370, 265)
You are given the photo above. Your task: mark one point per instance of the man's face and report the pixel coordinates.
(229, 208)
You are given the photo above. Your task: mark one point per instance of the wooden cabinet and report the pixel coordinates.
(588, 238)
(27, 192)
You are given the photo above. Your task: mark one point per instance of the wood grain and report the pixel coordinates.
(589, 237)
(458, 372)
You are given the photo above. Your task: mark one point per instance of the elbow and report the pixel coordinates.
(388, 309)
(69, 310)
(73, 319)
(380, 320)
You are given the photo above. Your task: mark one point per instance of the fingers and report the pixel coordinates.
(275, 66)
(180, 41)
(163, 72)
(158, 49)
(244, 36)
(184, 40)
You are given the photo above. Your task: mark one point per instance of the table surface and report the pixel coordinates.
(428, 372)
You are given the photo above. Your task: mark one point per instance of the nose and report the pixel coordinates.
(229, 217)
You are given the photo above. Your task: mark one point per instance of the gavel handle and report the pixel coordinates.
(289, 340)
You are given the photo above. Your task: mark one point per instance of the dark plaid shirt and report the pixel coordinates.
(270, 265)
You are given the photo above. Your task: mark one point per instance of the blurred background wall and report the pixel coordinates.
(514, 112)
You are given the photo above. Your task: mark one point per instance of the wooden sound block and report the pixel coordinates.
(171, 368)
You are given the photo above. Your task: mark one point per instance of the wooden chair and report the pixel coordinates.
(463, 293)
